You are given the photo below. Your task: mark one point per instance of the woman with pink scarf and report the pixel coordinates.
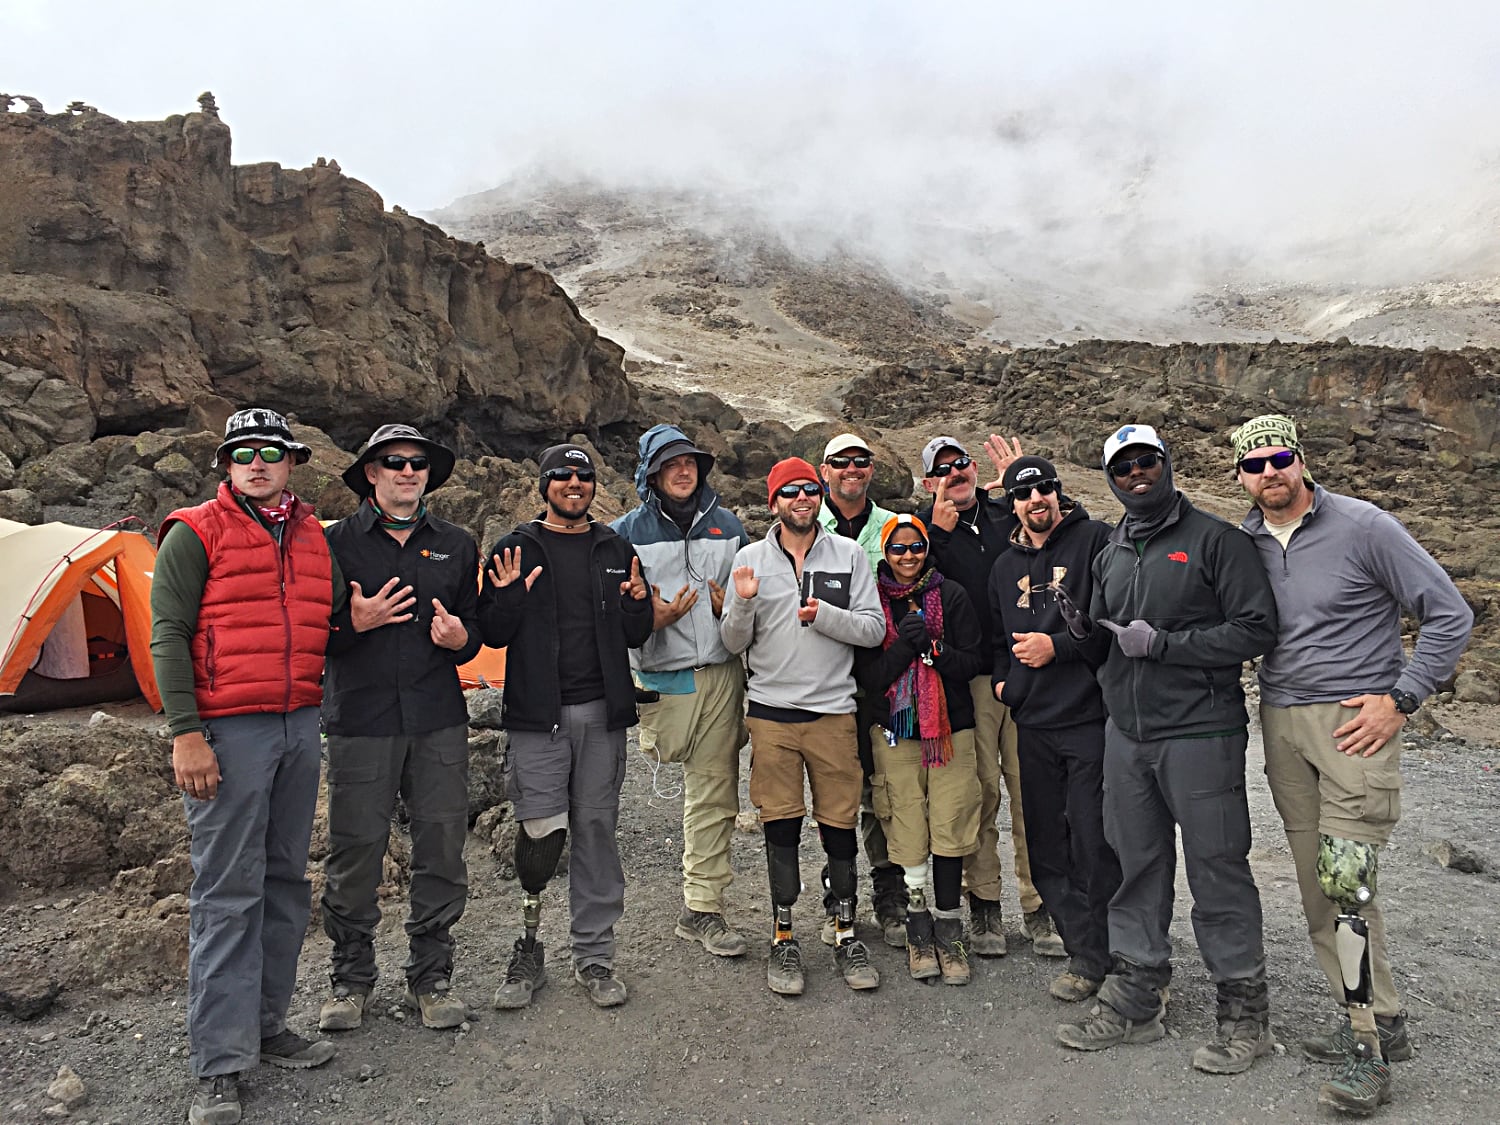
(926, 782)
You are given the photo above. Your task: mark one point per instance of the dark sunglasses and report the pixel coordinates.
(899, 549)
(1257, 465)
(862, 462)
(1023, 491)
(1145, 462)
(395, 462)
(270, 454)
(957, 465)
(568, 473)
(790, 491)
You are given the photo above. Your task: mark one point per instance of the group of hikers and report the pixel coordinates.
(901, 667)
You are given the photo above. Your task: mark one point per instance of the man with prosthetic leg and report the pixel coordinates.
(801, 601)
(568, 615)
(1335, 692)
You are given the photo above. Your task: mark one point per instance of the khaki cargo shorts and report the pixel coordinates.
(829, 752)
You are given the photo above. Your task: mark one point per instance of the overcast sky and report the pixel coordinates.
(1331, 139)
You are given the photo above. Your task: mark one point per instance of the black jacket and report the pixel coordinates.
(393, 680)
(1064, 692)
(967, 553)
(958, 660)
(1200, 582)
(525, 624)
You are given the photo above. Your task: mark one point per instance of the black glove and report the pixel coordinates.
(1080, 628)
(913, 630)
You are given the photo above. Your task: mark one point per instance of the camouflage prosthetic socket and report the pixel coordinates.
(1346, 874)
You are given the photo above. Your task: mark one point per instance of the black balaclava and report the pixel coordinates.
(680, 512)
(1145, 515)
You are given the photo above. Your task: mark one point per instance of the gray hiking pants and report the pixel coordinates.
(250, 901)
(1151, 790)
(431, 772)
(578, 769)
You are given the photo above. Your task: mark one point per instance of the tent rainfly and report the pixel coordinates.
(75, 616)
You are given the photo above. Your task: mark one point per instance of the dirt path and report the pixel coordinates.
(704, 1040)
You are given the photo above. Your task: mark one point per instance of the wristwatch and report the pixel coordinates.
(1406, 702)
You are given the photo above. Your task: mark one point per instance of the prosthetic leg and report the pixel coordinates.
(784, 968)
(539, 846)
(921, 948)
(1346, 874)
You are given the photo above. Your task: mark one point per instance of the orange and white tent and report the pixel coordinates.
(75, 616)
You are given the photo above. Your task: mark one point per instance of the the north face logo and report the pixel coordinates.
(833, 584)
(1178, 556)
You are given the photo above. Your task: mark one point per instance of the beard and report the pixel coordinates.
(570, 509)
(1040, 521)
(798, 525)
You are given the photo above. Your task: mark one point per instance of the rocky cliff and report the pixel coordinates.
(142, 268)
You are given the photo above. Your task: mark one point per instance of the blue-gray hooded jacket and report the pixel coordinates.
(670, 561)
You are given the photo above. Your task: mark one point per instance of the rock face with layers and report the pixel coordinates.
(140, 266)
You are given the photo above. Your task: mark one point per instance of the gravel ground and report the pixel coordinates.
(704, 1040)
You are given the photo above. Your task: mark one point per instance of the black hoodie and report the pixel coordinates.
(1064, 692)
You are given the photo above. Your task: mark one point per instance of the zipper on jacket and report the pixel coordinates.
(283, 553)
(210, 659)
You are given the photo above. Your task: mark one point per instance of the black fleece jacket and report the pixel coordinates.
(958, 660)
(524, 623)
(1064, 692)
(1200, 582)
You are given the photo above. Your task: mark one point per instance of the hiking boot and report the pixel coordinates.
(709, 930)
(604, 988)
(1361, 1087)
(852, 959)
(784, 969)
(952, 950)
(1337, 1044)
(216, 1101)
(288, 1049)
(439, 1007)
(889, 903)
(986, 930)
(921, 951)
(1105, 1027)
(526, 973)
(344, 1010)
(1236, 1046)
(1073, 987)
(1045, 940)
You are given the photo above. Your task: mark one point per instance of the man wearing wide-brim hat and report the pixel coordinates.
(397, 722)
(241, 597)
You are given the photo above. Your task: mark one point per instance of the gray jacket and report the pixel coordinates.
(807, 668)
(1341, 584)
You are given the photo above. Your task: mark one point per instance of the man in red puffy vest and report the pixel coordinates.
(240, 603)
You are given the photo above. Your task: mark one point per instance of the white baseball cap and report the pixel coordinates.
(1128, 435)
(843, 442)
(931, 450)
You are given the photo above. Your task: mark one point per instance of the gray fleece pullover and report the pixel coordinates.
(804, 668)
(1340, 587)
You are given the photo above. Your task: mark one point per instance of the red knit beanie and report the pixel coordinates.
(784, 472)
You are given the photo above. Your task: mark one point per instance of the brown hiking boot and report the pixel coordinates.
(986, 930)
(952, 950)
(1104, 1027)
(921, 951)
(1236, 1046)
(344, 1010)
(439, 1007)
(852, 960)
(1045, 940)
(1073, 987)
